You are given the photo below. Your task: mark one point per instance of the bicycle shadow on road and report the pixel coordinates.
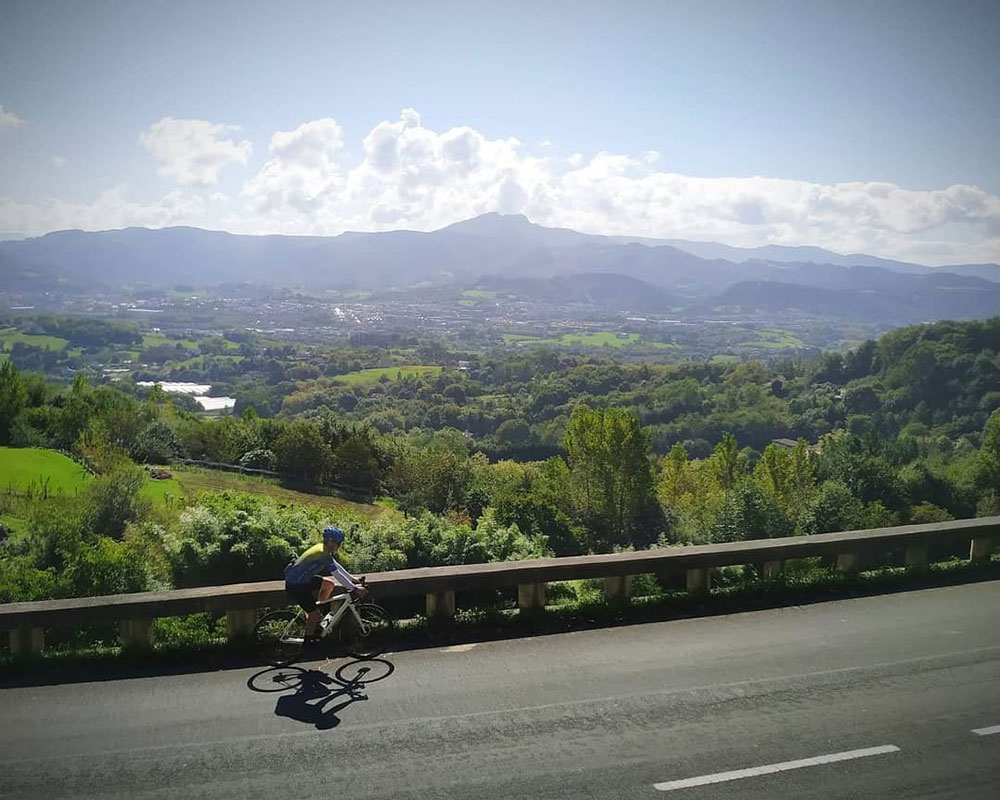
(316, 698)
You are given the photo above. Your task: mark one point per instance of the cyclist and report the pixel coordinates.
(314, 576)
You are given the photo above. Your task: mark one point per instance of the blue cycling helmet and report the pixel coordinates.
(333, 534)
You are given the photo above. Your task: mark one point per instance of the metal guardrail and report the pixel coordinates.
(135, 612)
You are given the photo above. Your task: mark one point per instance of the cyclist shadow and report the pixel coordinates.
(316, 697)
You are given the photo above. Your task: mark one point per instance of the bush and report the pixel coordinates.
(115, 500)
(236, 538)
(260, 458)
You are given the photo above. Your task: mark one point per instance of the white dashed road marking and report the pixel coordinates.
(987, 731)
(767, 769)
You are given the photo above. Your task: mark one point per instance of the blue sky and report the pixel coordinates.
(640, 117)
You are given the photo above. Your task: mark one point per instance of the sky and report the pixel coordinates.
(855, 126)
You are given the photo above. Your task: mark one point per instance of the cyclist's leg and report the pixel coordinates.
(328, 588)
(306, 598)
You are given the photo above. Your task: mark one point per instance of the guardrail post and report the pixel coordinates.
(916, 555)
(980, 548)
(240, 623)
(531, 596)
(769, 570)
(618, 589)
(136, 632)
(27, 640)
(441, 604)
(699, 581)
(848, 562)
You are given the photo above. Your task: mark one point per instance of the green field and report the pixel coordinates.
(169, 490)
(24, 469)
(28, 468)
(479, 294)
(772, 339)
(198, 362)
(725, 360)
(193, 480)
(157, 339)
(601, 339)
(10, 336)
(366, 376)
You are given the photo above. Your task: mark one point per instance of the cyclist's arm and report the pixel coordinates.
(343, 577)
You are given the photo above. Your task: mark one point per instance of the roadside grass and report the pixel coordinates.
(373, 375)
(197, 642)
(11, 336)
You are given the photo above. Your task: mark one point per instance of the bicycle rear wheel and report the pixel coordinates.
(279, 635)
(373, 635)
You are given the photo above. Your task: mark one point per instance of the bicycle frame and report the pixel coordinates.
(330, 620)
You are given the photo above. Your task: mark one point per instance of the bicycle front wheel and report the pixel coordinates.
(373, 635)
(279, 635)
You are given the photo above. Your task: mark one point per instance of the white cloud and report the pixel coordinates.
(59, 161)
(406, 175)
(192, 152)
(111, 209)
(301, 169)
(8, 119)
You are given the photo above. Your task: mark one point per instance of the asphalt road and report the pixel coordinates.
(597, 714)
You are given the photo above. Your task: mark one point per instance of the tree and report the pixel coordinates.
(301, 453)
(514, 433)
(748, 513)
(989, 453)
(834, 508)
(356, 464)
(155, 444)
(434, 477)
(728, 463)
(13, 397)
(611, 477)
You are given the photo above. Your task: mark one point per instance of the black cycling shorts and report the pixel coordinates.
(305, 594)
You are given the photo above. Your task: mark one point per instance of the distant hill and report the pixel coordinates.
(782, 254)
(914, 299)
(651, 273)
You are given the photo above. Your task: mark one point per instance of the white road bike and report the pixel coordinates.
(366, 630)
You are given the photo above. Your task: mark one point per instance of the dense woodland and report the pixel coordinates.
(542, 453)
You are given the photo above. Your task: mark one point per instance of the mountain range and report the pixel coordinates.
(543, 262)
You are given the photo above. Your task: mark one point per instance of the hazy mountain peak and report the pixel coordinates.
(492, 222)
